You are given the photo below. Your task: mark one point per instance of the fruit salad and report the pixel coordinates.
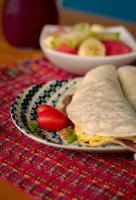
(84, 39)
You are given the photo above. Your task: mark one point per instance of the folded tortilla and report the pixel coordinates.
(127, 76)
(99, 106)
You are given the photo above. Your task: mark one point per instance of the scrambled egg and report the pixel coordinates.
(95, 140)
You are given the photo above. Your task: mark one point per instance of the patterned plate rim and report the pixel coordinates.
(103, 149)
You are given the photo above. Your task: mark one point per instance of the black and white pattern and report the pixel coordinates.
(23, 110)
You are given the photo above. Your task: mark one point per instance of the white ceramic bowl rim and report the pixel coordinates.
(47, 29)
(92, 57)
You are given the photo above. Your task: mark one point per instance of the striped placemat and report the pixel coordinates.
(45, 172)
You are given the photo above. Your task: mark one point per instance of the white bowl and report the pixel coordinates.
(80, 65)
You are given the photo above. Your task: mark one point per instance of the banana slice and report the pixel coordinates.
(97, 28)
(48, 41)
(91, 47)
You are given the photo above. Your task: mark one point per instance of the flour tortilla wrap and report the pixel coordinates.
(128, 144)
(99, 106)
(127, 76)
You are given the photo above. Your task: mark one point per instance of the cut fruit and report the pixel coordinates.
(97, 28)
(48, 41)
(106, 35)
(116, 47)
(64, 48)
(91, 47)
(81, 27)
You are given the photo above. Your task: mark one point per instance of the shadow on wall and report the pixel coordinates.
(120, 9)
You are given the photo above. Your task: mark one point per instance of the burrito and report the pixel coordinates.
(100, 112)
(127, 76)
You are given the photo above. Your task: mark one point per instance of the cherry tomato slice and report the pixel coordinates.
(43, 107)
(52, 120)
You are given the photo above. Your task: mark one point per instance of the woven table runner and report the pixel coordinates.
(46, 172)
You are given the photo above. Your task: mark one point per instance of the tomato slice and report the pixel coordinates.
(52, 119)
(43, 107)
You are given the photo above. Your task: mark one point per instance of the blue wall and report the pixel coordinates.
(120, 9)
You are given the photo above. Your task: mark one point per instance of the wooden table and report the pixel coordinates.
(10, 55)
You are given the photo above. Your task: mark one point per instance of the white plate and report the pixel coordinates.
(23, 111)
(80, 65)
